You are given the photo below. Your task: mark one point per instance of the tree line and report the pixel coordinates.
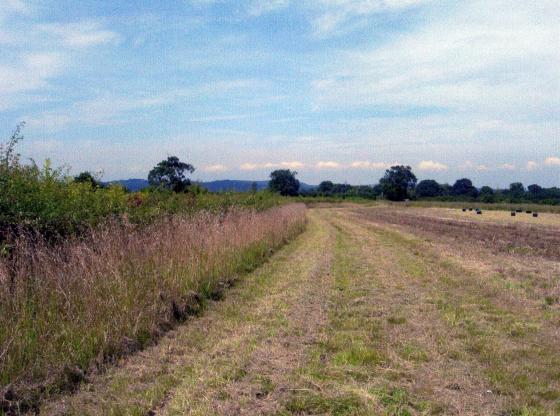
(400, 183)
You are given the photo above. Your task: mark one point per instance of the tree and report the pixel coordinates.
(87, 177)
(254, 187)
(516, 191)
(284, 182)
(486, 194)
(397, 182)
(428, 188)
(170, 174)
(536, 191)
(464, 187)
(325, 188)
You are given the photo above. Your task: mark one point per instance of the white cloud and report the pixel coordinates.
(507, 166)
(260, 7)
(214, 168)
(552, 161)
(430, 165)
(531, 166)
(470, 166)
(365, 164)
(327, 165)
(32, 72)
(80, 34)
(271, 165)
(335, 16)
(457, 63)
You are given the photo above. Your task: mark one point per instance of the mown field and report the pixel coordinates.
(373, 310)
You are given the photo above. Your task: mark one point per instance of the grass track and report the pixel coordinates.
(353, 318)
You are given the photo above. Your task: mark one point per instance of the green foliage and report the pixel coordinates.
(170, 174)
(486, 194)
(464, 188)
(284, 182)
(428, 188)
(46, 200)
(88, 177)
(398, 182)
(516, 192)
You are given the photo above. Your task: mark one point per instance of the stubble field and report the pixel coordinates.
(371, 311)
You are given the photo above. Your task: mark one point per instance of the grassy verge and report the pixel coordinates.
(66, 310)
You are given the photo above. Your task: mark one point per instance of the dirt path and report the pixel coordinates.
(352, 318)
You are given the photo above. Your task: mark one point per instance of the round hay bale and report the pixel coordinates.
(513, 213)
(535, 214)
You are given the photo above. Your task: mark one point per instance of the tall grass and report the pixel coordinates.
(115, 288)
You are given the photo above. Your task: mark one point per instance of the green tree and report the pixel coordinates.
(284, 182)
(516, 191)
(428, 188)
(325, 188)
(88, 177)
(464, 188)
(170, 174)
(535, 191)
(398, 182)
(486, 194)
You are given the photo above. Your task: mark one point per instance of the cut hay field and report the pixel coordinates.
(373, 310)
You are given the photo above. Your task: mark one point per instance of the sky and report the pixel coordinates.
(334, 89)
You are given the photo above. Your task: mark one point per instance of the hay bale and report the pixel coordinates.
(529, 211)
(479, 212)
(535, 214)
(513, 213)
(518, 210)
(464, 210)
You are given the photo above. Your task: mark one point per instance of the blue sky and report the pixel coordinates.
(335, 89)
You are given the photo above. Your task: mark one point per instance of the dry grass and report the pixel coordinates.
(68, 309)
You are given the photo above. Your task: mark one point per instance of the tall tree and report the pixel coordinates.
(486, 194)
(516, 191)
(464, 187)
(428, 188)
(325, 188)
(284, 182)
(170, 174)
(398, 182)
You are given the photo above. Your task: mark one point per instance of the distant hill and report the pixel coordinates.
(226, 185)
(132, 185)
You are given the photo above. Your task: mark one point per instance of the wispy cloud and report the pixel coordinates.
(334, 16)
(531, 166)
(80, 34)
(430, 165)
(328, 165)
(214, 168)
(271, 165)
(260, 7)
(365, 164)
(552, 161)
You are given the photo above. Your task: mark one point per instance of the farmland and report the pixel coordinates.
(372, 310)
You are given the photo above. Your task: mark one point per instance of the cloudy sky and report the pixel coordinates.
(335, 89)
